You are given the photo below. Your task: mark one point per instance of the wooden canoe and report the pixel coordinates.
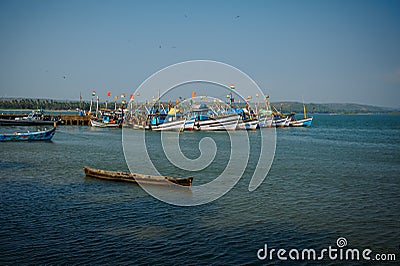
(137, 178)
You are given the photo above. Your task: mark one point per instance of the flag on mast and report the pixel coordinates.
(232, 86)
(93, 93)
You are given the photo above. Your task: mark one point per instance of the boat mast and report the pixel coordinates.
(90, 108)
(97, 105)
(159, 103)
(232, 87)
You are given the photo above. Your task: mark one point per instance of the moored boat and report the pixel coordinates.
(227, 122)
(35, 118)
(302, 122)
(248, 120)
(173, 125)
(137, 178)
(189, 124)
(305, 122)
(162, 119)
(107, 118)
(99, 123)
(30, 136)
(206, 120)
(281, 122)
(265, 121)
(248, 124)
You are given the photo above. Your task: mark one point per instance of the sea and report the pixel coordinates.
(331, 188)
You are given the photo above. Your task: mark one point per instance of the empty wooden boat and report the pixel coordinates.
(137, 178)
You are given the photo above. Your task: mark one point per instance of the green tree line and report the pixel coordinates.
(46, 104)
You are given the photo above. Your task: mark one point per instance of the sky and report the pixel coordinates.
(320, 51)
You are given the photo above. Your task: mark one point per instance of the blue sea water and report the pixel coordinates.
(339, 178)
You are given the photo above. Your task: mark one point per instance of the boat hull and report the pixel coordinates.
(282, 122)
(95, 123)
(216, 124)
(265, 122)
(177, 125)
(29, 136)
(189, 124)
(249, 124)
(302, 123)
(137, 178)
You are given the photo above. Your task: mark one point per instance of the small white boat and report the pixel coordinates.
(107, 118)
(100, 123)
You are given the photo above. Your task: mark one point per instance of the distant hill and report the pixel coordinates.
(287, 107)
(341, 108)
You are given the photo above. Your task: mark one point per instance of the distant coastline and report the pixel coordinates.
(20, 104)
(336, 108)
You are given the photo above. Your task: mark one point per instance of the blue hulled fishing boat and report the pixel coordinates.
(30, 136)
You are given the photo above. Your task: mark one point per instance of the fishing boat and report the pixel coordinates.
(228, 122)
(165, 125)
(137, 178)
(100, 123)
(166, 121)
(189, 124)
(107, 118)
(248, 124)
(30, 136)
(265, 118)
(265, 121)
(247, 121)
(305, 122)
(207, 120)
(35, 118)
(280, 121)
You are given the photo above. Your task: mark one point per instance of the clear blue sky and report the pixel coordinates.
(324, 51)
